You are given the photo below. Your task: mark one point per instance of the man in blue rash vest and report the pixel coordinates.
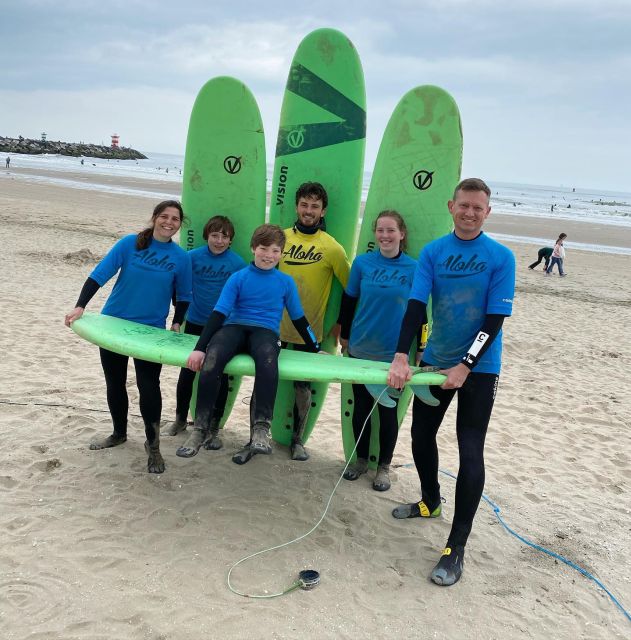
(150, 268)
(246, 319)
(471, 281)
(212, 265)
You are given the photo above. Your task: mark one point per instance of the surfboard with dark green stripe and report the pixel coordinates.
(417, 167)
(321, 138)
(224, 172)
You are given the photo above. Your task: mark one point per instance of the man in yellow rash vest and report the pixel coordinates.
(312, 257)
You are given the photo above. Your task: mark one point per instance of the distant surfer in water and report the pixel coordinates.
(212, 265)
(471, 281)
(150, 268)
(246, 319)
(311, 257)
(543, 254)
(373, 306)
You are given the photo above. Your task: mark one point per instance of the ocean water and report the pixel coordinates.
(544, 201)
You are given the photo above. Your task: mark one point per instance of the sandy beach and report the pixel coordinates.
(92, 546)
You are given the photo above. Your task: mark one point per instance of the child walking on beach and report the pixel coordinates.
(558, 255)
(246, 319)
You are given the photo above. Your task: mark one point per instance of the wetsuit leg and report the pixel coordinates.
(362, 404)
(150, 396)
(184, 390)
(115, 372)
(425, 423)
(228, 341)
(475, 404)
(388, 432)
(264, 347)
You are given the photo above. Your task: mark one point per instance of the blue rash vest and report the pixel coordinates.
(142, 293)
(257, 297)
(467, 279)
(210, 273)
(383, 287)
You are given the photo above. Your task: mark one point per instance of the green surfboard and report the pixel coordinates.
(321, 138)
(170, 348)
(224, 173)
(417, 167)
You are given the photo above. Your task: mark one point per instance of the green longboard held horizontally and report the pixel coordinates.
(224, 172)
(321, 139)
(170, 348)
(417, 168)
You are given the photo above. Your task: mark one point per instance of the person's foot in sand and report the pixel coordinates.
(155, 461)
(449, 568)
(213, 442)
(106, 443)
(244, 455)
(356, 470)
(177, 426)
(193, 443)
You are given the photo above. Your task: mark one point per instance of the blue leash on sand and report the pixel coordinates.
(534, 545)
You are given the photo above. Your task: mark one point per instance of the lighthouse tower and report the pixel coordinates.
(115, 139)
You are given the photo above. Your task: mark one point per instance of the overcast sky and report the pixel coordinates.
(543, 86)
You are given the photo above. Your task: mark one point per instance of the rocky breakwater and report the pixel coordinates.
(76, 149)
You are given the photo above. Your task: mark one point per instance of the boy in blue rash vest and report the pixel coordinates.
(150, 267)
(212, 265)
(246, 319)
(372, 308)
(471, 280)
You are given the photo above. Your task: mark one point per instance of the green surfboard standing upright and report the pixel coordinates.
(417, 167)
(224, 172)
(321, 138)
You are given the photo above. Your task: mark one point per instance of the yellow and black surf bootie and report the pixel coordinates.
(449, 568)
(416, 510)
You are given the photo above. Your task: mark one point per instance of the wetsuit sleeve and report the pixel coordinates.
(502, 287)
(184, 280)
(413, 320)
(215, 321)
(292, 300)
(113, 260)
(307, 334)
(181, 307)
(347, 313)
(489, 331)
(90, 287)
(341, 265)
(229, 294)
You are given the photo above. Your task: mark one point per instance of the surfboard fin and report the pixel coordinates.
(423, 393)
(384, 399)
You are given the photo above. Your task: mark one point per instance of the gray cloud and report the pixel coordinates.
(542, 86)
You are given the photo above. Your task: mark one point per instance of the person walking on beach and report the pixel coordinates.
(246, 319)
(311, 257)
(558, 255)
(543, 254)
(373, 305)
(212, 265)
(150, 267)
(8, 161)
(471, 281)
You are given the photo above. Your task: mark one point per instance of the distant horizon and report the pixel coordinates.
(367, 172)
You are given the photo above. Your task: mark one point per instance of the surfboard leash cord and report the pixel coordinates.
(538, 547)
(303, 580)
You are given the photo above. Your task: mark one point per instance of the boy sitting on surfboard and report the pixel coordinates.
(246, 319)
(312, 257)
